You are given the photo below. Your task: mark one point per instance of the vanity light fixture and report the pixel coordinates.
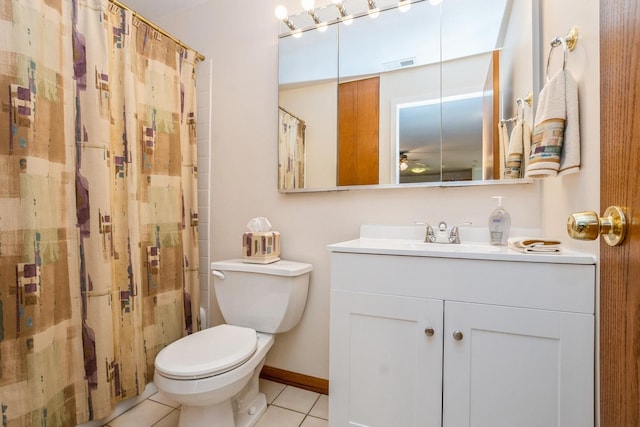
(373, 10)
(404, 5)
(309, 7)
(344, 16)
(281, 14)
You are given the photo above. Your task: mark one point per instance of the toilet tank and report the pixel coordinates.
(265, 297)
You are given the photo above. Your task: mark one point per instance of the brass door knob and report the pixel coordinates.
(429, 331)
(458, 335)
(588, 226)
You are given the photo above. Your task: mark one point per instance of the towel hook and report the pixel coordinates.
(519, 109)
(568, 43)
(520, 105)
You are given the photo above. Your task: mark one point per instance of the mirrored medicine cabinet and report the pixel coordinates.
(408, 98)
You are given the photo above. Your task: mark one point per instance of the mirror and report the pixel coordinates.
(407, 98)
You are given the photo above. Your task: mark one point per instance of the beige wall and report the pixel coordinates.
(578, 191)
(240, 37)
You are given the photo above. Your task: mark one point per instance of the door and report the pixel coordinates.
(385, 360)
(508, 366)
(620, 163)
(358, 132)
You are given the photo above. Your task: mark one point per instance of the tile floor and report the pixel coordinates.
(288, 407)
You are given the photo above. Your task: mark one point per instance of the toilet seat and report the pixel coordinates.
(207, 353)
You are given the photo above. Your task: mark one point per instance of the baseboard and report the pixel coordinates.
(306, 382)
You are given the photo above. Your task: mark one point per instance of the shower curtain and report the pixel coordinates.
(98, 207)
(291, 151)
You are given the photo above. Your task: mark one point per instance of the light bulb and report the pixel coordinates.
(347, 20)
(322, 27)
(297, 33)
(374, 13)
(281, 12)
(404, 5)
(307, 5)
(435, 2)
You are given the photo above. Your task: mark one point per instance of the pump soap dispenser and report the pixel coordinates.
(499, 224)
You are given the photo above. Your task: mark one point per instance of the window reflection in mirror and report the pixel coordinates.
(419, 140)
(452, 103)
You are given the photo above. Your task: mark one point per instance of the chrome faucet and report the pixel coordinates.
(430, 236)
(454, 234)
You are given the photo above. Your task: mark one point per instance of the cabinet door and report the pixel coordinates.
(385, 370)
(517, 367)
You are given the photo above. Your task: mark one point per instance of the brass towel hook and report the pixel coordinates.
(572, 38)
(567, 42)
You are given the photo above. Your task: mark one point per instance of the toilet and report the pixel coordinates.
(214, 373)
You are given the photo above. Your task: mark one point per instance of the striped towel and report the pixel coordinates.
(519, 142)
(555, 146)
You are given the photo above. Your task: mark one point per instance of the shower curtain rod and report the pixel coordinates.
(199, 56)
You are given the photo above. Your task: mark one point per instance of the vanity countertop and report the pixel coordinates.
(375, 240)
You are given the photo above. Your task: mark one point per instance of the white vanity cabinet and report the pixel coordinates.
(384, 369)
(433, 340)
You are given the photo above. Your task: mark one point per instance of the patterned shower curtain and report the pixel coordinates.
(98, 219)
(291, 151)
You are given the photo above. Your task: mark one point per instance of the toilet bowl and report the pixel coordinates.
(214, 373)
(207, 383)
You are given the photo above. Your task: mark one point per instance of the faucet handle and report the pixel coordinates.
(454, 235)
(430, 237)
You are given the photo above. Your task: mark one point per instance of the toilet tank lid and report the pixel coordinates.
(278, 268)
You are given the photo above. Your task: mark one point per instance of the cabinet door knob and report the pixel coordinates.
(429, 331)
(457, 335)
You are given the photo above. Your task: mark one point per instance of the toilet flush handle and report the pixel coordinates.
(219, 274)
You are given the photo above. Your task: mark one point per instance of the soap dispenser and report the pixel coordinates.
(499, 224)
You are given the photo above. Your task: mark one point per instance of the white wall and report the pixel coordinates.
(240, 37)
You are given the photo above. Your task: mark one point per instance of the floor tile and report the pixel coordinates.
(170, 420)
(314, 422)
(280, 417)
(271, 389)
(144, 414)
(162, 398)
(321, 408)
(296, 399)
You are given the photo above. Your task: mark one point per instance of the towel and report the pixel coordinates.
(519, 143)
(555, 147)
(534, 245)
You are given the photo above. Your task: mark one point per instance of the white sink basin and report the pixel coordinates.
(414, 247)
(409, 241)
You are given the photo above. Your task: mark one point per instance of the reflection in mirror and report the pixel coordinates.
(401, 49)
(427, 119)
(419, 140)
(501, 64)
(308, 75)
